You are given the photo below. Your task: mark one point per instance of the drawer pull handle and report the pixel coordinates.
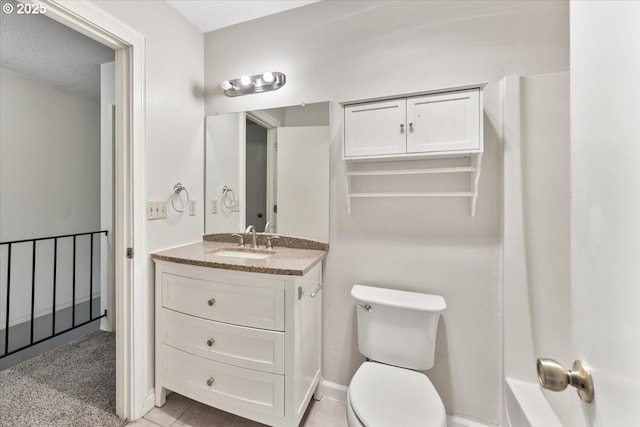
(210, 381)
(211, 341)
(211, 302)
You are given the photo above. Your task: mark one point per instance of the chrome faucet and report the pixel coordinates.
(252, 229)
(267, 226)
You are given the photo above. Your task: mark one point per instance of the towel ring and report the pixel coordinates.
(228, 197)
(177, 189)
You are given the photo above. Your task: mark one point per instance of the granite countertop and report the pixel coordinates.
(291, 261)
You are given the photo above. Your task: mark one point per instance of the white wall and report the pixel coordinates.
(222, 168)
(49, 185)
(352, 50)
(50, 181)
(174, 144)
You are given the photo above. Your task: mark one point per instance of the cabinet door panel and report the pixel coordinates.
(375, 129)
(444, 122)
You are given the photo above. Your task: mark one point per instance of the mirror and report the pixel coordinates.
(269, 167)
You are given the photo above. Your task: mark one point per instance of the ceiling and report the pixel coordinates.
(209, 15)
(46, 50)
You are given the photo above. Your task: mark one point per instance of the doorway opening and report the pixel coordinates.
(128, 211)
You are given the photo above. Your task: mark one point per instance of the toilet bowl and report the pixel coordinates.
(387, 396)
(396, 332)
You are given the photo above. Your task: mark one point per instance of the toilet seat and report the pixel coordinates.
(388, 396)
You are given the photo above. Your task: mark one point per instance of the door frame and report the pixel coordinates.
(129, 48)
(270, 123)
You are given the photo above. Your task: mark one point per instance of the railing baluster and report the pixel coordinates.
(6, 324)
(55, 280)
(73, 295)
(33, 290)
(91, 281)
(55, 239)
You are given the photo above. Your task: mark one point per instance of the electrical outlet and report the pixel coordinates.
(192, 207)
(214, 206)
(235, 207)
(156, 210)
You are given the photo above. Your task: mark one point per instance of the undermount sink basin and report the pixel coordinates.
(243, 253)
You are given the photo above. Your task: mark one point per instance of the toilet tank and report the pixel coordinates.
(397, 327)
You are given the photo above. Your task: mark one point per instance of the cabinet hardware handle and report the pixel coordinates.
(312, 294)
(401, 127)
(211, 341)
(210, 381)
(366, 307)
(411, 127)
(211, 302)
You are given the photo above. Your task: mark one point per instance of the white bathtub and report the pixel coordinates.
(536, 252)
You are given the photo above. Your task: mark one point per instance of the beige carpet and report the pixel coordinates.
(72, 385)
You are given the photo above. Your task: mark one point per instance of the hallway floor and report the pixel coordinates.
(72, 385)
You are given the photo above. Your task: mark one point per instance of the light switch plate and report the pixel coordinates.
(156, 210)
(192, 207)
(214, 206)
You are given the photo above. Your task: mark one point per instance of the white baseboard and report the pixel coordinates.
(454, 421)
(334, 391)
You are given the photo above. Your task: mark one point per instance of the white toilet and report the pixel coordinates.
(397, 333)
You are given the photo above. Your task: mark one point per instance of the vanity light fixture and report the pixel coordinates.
(254, 84)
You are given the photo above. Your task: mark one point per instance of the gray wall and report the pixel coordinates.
(49, 185)
(351, 50)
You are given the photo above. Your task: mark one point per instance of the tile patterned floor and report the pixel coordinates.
(180, 411)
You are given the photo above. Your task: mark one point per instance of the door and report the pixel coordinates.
(375, 129)
(256, 158)
(605, 208)
(303, 182)
(444, 122)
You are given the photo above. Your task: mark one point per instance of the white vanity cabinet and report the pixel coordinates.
(247, 343)
(435, 123)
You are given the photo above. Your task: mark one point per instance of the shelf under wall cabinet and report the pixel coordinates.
(473, 169)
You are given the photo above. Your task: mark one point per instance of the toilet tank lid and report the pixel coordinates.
(400, 299)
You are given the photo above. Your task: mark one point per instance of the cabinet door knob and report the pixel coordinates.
(210, 381)
(211, 302)
(211, 341)
(401, 127)
(411, 127)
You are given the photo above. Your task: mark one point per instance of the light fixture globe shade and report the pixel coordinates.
(268, 77)
(245, 81)
(226, 85)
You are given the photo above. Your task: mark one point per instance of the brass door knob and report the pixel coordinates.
(553, 376)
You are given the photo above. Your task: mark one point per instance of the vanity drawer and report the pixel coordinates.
(251, 348)
(254, 306)
(231, 389)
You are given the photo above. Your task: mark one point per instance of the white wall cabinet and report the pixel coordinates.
(442, 124)
(246, 343)
(432, 124)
